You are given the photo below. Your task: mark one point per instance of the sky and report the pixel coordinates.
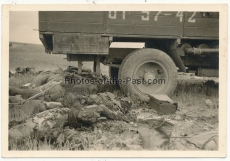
(22, 25)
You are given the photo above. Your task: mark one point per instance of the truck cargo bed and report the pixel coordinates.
(132, 23)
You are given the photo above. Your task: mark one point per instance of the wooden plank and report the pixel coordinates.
(197, 25)
(42, 21)
(74, 27)
(76, 44)
(187, 24)
(201, 32)
(42, 15)
(145, 30)
(136, 19)
(76, 16)
(200, 14)
(138, 23)
(42, 26)
(202, 22)
(80, 22)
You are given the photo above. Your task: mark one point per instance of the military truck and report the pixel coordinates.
(173, 42)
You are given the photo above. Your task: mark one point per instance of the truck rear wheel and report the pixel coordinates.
(147, 71)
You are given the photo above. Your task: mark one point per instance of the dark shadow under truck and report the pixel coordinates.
(184, 41)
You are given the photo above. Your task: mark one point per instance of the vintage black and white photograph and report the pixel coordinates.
(114, 80)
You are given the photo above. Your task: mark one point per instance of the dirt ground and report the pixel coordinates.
(195, 113)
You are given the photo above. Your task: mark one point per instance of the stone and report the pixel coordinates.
(208, 103)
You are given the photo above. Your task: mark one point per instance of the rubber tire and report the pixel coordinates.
(131, 61)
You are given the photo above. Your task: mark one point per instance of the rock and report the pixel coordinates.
(208, 103)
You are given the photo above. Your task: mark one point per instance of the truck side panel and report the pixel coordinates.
(161, 23)
(77, 22)
(70, 32)
(144, 23)
(42, 21)
(201, 24)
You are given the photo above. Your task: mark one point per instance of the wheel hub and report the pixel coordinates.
(150, 71)
(149, 77)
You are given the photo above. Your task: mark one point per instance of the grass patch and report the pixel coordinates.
(190, 97)
(195, 94)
